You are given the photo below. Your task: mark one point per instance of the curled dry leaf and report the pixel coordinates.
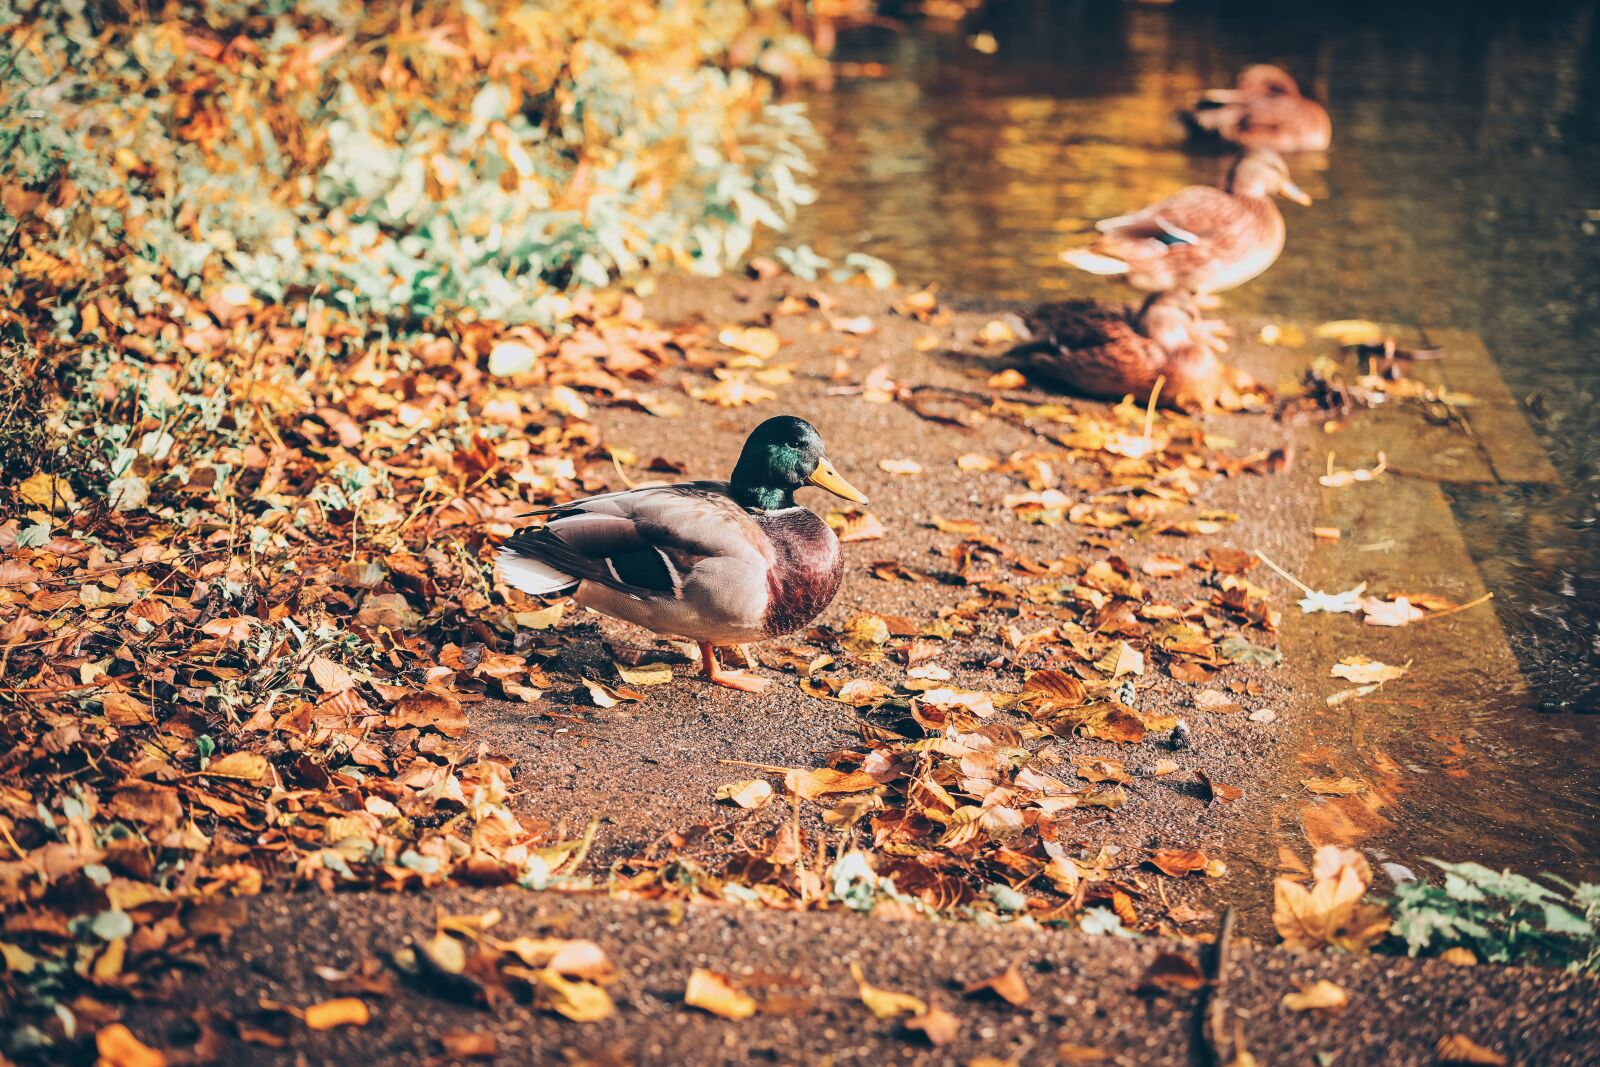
(580, 1001)
(1177, 862)
(1320, 995)
(1171, 972)
(1458, 1048)
(900, 466)
(1009, 986)
(750, 794)
(885, 1003)
(937, 1025)
(118, 1047)
(809, 785)
(712, 992)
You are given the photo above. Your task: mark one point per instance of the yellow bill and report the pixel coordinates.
(825, 477)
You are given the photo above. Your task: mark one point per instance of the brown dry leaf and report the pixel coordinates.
(711, 992)
(750, 794)
(755, 341)
(937, 1025)
(1121, 660)
(809, 785)
(1177, 861)
(1216, 791)
(435, 709)
(1171, 972)
(580, 1001)
(1321, 994)
(1458, 1048)
(1008, 986)
(345, 1011)
(118, 1047)
(1331, 912)
(245, 766)
(1054, 689)
(47, 491)
(1335, 787)
(469, 1044)
(856, 525)
(1081, 1054)
(884, 1003)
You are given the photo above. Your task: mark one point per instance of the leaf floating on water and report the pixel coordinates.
(1396, 612)
(711, 992)
(1335, 787)
(1332, 912)
(1350, 331)
(1364, 671)
(1347, 602)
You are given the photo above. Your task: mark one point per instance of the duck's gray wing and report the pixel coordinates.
(642, 542)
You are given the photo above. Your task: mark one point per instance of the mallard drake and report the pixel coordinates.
(1264, 109)
(718, 563)
(1113, 350)
(1201, 238)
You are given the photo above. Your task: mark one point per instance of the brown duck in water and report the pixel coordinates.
(1201, 238)
(1264, 109)
(719, 563)
(1112, 350)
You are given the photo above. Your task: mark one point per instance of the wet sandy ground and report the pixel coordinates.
(650, 769)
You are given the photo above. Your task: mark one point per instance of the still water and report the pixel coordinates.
(1462, 191)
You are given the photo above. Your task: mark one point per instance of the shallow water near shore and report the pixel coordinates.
(1462, 192)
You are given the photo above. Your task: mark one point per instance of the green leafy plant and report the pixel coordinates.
(1501, 917)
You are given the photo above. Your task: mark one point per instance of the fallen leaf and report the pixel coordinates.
(1177, 862)
(750, 795)
(1171, 972)
(1335, 787)
(645, 674)
(884, 1003)
(245, 766)
(755, 341)
(510, 358)
(1396, 612)
(711, 992)
(469, 1044)
(1363, 671)
(1331, 913)
(1458, 1048)
(429, 709)
(580, 1001)
(118, 1047)
(809, 785)
(1320, 995)
(900, 466)
(345, 1011)
(1350, 331)
(1009, 986)
(937, 1025)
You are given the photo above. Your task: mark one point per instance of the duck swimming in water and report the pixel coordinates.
(718, 563)
(1201, 238)
(1264, 109)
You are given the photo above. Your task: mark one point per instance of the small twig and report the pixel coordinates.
(769, 768)
(1150, 409)
(1484, 599)
(1212, 1008)
(1297, 583)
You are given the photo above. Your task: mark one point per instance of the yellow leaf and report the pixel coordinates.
(1335, 787)
(47, 491)
(711, 992)
(900, 466)
(346, 1011)
(809, 785)
(1458, 1048)
(884, 1003)
(582, 1002)
(755, 341)
(937, 1025)
(1351, 331)
(1331, 912)
(1322, 994)
(750, 795)
(645, 674)
(119, 1048)
(245, 766)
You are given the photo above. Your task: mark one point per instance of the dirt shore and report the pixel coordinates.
(649, 770)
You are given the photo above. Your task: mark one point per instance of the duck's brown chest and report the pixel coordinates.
(806, 568)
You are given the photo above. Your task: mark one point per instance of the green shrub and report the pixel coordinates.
(1502, 917)
(402, 160)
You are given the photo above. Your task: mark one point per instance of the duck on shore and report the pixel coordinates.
(1113, 350)
(1264, 109)
(716, 562)
(1202, 239)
